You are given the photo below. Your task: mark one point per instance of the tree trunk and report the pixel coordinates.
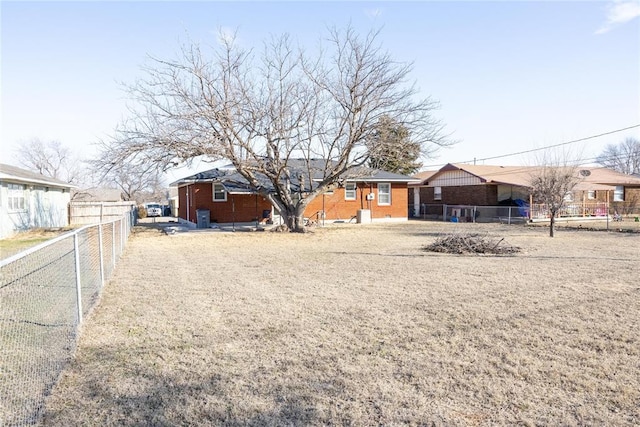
(552, 223)
(294, 219)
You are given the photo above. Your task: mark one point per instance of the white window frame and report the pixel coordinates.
(437, 193)
(223, 192)
(618, 194)
(591, 194)
(382, 194)
(16, 198)
(350, 193)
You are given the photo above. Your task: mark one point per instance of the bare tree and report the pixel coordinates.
(259, 110)
(52, 159)
(623, 157)
(552, 182)
(391, 149)
(136, 181)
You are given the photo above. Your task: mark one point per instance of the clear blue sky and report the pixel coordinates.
(510, 76)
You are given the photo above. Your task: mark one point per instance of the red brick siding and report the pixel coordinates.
(631, 201)
(201, 197)
(629, 205)
(336, 207)
(480, 195)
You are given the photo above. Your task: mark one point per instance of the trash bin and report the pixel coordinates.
(203, 220)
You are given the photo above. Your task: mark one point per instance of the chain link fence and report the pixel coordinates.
(44, 293)
(469, 213)
(524, 213)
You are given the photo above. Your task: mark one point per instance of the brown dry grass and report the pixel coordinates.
(27, 239)
(358, 326)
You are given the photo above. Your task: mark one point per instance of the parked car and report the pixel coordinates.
(153, 209)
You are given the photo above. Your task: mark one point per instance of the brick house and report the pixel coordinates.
(225, 196)
(485, 185)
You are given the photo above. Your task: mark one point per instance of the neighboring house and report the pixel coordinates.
(224, 196)
(482, 185)
(30, 200)
(97, 195)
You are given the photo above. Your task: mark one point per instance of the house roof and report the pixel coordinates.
(98, 195)
(611, 177)
(424, 177)
(300, 172)
(15, 174)
(596, 178)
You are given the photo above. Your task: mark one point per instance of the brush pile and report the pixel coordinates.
(470, 244)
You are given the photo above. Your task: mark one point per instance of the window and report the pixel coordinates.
(384, 194)
(568, 196)
(350, 191)
(15, 197)
(591, 194)
(618, 194)
(219, 193)
(437, 193)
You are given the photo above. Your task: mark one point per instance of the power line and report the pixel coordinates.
(541, 148)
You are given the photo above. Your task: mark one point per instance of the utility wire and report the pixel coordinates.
(541, 148)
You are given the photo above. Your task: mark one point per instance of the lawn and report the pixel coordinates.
(27, 239)
(357, 325)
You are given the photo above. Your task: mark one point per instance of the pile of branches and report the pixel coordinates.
(471, 243)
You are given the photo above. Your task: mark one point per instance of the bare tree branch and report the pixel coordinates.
(52, 159)
(624, 157)
(553, 181)
(259, 111)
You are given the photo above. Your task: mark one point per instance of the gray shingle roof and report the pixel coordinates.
(13, 173)
(313, 171)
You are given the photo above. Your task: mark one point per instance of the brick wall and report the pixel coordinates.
(480, 195)
(337, 208)
(247, 207)
(631, 203)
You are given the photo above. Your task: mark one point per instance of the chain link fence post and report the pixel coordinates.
(45, 291)
(76, 252)
(101, 254)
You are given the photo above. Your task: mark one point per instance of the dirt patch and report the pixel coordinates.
(358, 325)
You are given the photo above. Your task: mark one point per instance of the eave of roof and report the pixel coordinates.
(358, 175)
(23, 176)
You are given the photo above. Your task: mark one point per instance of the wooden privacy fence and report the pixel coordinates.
(98, 212)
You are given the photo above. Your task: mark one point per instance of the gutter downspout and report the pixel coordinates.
(188, 210)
